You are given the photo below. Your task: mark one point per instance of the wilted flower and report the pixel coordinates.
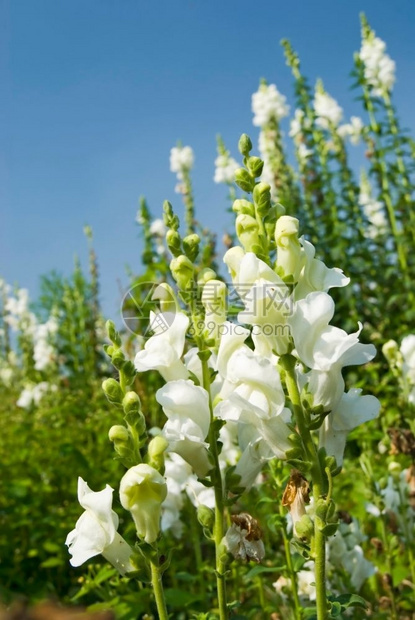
(296, 497)
(244, 538)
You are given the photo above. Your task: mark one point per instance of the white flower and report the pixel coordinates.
(324, 348)
(268, 104)
(225, 167)
(158, 228)
(187, 409)
(315, 276)
(379, 68)
(32, 395)
(242, 543)
(142, 491)
(352, 410)
(327, 110)
(96, 531)
(181, 160)
(163, 351)
(352, 130)
(374, 211)
(303, 152)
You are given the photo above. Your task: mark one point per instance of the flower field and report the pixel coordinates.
(240, 441)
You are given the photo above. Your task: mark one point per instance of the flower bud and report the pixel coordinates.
(262, 198)
(206, 275)
(304, 528)
(121, 439)
(166, 297)
(191, 246)
(131, 403)
(390, 350)
(395, 469)
(245, 145)
(182, 270)
(112, 333)
(118, 359)
(289, 250)
(173, 242)
(240, 205)
(142, 491)
(244, 180)
(247, 230)
(118, 433)
(255, 166)
(156, 449)
(205, 516)
(113, 391)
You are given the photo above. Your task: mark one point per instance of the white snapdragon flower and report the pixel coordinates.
(303, 152)
(325, 349)
(96, 531)
(142, 491)
(268, 104)
(266, 299)
(158, 228)
(315, 276)
(187, 409)
(407, 350)
(352, 410)
(373, 209)
(352, 130)
(225, 167)
(328, 111)
(379, 68)
(43, 350)
(344, 551)
(181, 159)
(163, 351)
(33, 394)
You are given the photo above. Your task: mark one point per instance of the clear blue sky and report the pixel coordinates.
(96, 92)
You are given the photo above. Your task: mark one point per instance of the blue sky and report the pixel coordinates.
(96, 92)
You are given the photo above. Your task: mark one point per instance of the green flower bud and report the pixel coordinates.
(391, 351)
(395, 470)
(262, 198)
(156, 449)
(245, 145)
(241, 205)
(205, 516)
(244, 180)
(118, 434)
(205, 275)
(113, 391)
(173, 242)
(304, 528)
(247, 230)
(131, 403)
(170, 219)
(120, 437)
(290, 257)
(182, 270)
(118, 359)
(255, 166)
(280, 209)
(112, 333)
(191, 246)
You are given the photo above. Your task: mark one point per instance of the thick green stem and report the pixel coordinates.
(156, 581)
(318, 480)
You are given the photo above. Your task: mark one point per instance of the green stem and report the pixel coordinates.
(216, 476)
(317, 477)
(156, 581)
(394, 615)
(291, 572)
(384, 183)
